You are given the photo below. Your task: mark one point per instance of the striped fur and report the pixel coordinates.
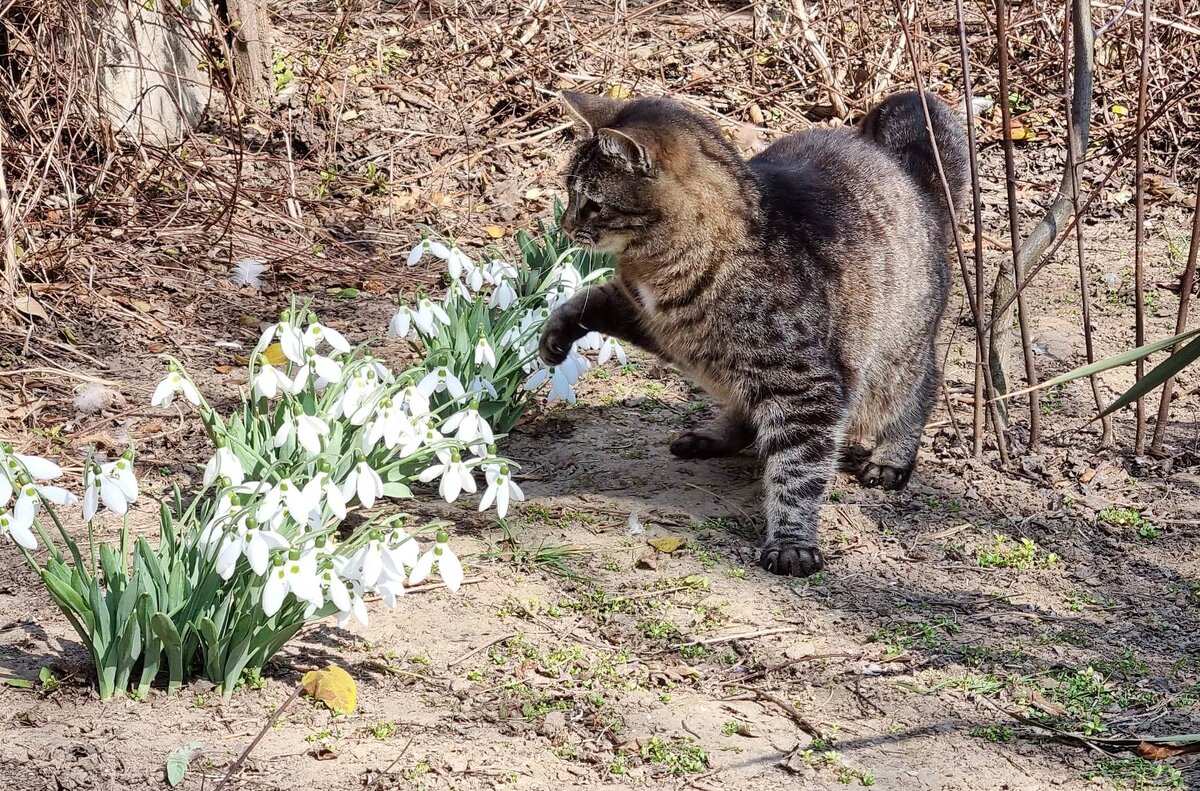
(802, 289)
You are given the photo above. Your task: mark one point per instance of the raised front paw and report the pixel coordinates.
(791, 559)
(881, 475)
(557, 337)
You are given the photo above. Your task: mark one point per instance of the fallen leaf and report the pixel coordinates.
(247, 321)
(756, 115)
(349, 115)
(1159, 752)
(375, 287)
(494, 231)
(30, 307)
(156, 347)
(534, 194)
(1120, 109)
(618, 92)
(153, 427)
(667, 544)
(224, 369)
(333, 687)
(1018, 131)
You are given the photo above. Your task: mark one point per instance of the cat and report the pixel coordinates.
(801, 288)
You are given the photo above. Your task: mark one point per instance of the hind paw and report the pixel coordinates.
(697, 445)
(884, 477)
(794, 560)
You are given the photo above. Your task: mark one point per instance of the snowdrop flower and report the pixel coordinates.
(484, 353)
(380, 371)
(475, 277)
(391, 425)
(37, 468)
(457, 262)
(248, 272)
(456, 291)
(21, 534)
(414, 402)
(322, 487)
(254, 542)
(401, 324)
(361, 385)
(322, 370)
(364, 482)
(448, 565)
(589, 342)
(308, 430)
(456, 477)
(575, 365)
(438, 380)
(175, 382)
(224, 463)
(500, 488)
(503, 295)
(291, 340)
(610, 348)
(113, 484)
(287, 497)
(316, 332)
(480, 386)
(427, 246)
(427, 314)
(568, 277)
(29, 502)
(560, 384)
(472, 430)
(356, 608)
(269, 380)
(499, 270)
(400, 553)
(296, 575)
(369, 560)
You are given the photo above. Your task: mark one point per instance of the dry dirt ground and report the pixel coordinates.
(1064, 590)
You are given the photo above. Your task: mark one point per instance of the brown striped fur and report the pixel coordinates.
(802, 288)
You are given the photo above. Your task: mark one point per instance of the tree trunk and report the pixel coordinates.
(250, 49)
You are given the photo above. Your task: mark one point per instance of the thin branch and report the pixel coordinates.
(1139, 231)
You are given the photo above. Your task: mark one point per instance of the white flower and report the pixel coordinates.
(414, 402)
(363, 385)
(287, 497)
(498, 270)
(611, 347)
(472, 430)
(175, 382)
(291, 339)
(590, 341)
(29, 502)
(21, 534)
(323, 487)
(484, 353)
(427, 314)
(503, 295)
(316, 332)
(560, 384)
(226, 464)
(113, 483)
(369, 560)
(248, 272)
(448, 565)
(427, 246)
(308, 430)
(479, 386)
(440, 379)
(456, 291)
(364, 482)
(296, 575)
(401, 324)
(38, 468)
(457, 262)
(251, 540)
(456, 477)
(322, 370)
(269, 380)
(500, 488)
(400, 552)
(574, 366)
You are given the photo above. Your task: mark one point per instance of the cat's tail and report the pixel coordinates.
(898, 124)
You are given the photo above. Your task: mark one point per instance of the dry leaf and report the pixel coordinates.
(1120, 109)
(494, 231)
(1160, 752)
(349, 115)
(247, 321)
(30, 307)
(618, 92)
(156, 347)
(648, 560)
(534, 194)
(756, 115)
(1018, 131)
(153, 427)
(333, 687)
(667, 544)
(224, 369)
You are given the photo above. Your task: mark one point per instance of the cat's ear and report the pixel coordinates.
(590, 112)
(625, 146)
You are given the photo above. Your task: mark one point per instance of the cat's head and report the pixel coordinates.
(642, 171)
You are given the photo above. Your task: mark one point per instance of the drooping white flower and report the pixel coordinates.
(456, 292)
(363, 482)
(484, 353)
(427, 246)
(291, 339)
(297, 574)
(428, 315)
(269, 380)
(455, 477)
(175, 382)
(252, 540)
(400, 554)
(402, 323)
(560, 384)
(36, 467)
(438, 380)
(470, 428)
(480, 386)
(224, 463)
(21, 534)
(458, 262)
(287, 498)
(320, 369)
(322, 488)
(308, 430)
(113, 484)
(503, 295)
(29, 501)
(448, 565)
(414, 402)
(575, 365)
(316, 333)
(501, 488)
(498, 269)
(610, 348)
(589, 342)
(369, 560)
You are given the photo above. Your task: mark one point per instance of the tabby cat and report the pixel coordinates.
(802, 288)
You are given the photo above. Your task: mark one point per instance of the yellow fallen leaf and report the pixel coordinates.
(349, 115)
(274, 354)
(667, 544)
(1120, 109)
(618, 92)
(494, 231)
(333, 687)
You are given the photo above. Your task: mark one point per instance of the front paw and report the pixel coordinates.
(788, 558)
(556, 340)
(881, 475)
(697, 445)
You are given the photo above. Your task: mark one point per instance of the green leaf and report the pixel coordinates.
(165, 630)
(396, 490)
(19, 683)
(177, 762)
(1161, 373)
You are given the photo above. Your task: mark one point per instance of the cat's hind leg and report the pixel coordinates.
(728, 435)
(895, 409)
